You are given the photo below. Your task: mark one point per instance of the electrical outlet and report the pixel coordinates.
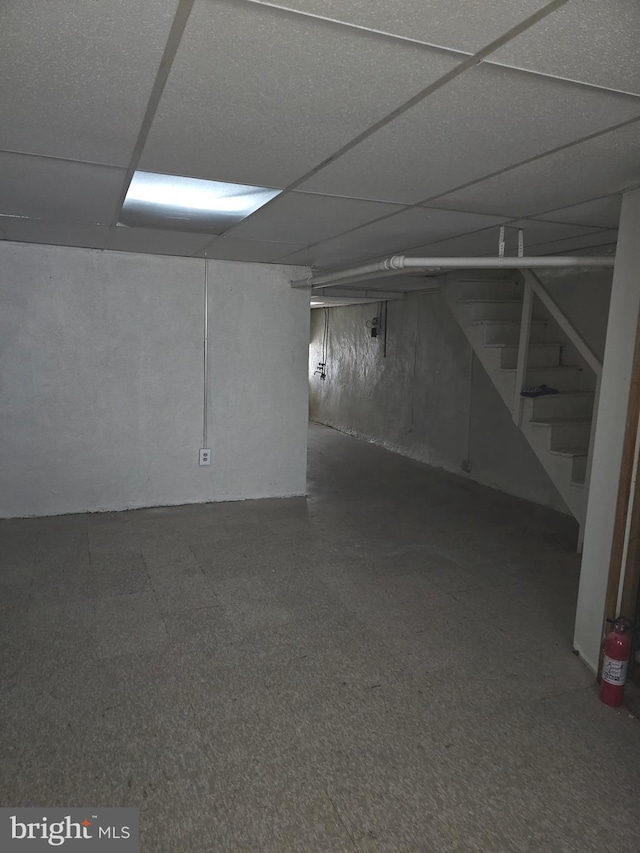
(205, 456)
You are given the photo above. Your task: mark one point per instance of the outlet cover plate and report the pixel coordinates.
(205, 456)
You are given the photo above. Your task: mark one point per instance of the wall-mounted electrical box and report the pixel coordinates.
(205, 456)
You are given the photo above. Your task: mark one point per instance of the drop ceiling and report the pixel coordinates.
(415, 126)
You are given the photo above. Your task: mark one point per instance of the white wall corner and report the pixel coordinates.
(609, 436)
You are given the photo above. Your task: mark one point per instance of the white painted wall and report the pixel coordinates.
(430, 399)
(609, 437)
(102, 380)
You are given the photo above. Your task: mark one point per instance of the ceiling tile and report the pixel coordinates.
(305, 218)
(468, 26)
(234, 110)
(326, 257)
(468, 245)
(396, 234)
(536, 234)
(585, 40)
(598, 167)
(77, 75)
(153, 241)
(58, 190)
(54, 233)
(483, 121)
(601, 212)
(604, 239)
(416, 225)
(230, 249)
(536, 231)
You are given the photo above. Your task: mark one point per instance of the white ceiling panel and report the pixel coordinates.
(537, 239)
(467, 25)
(54, 233)
(537, 231)
(326, 257)
(485, 120)
(585, 40)
(305, 218)
(153, 241)
(58, 190)
(598, 167)
(601, 212)
(485, 242)
(416, 225)
(468, 245)
(230, 249)
(259, 96)
(77, 75)
(428, 229)
(604, 239)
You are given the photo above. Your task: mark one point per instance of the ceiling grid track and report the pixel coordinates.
(171, 48)
(453, 74)
(335, 117)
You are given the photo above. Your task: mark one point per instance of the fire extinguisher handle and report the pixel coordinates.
(627, 624)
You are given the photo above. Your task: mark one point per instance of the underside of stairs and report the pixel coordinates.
(488, 307)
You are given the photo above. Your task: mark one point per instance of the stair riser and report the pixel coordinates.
(489, 290)
(547, 356)
(508, 333)
(564, 437)
(559, 468)
(555, 406)
(497, 311)
(579, 469)
(563, 380)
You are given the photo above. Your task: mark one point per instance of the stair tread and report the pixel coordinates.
(489, 279)
(561, 421)
(564, 394)
(573, 368)
(572, 451)
(505, 322)
(533, 344)
(492, 301)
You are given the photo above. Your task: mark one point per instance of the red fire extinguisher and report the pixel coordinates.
(616, 659)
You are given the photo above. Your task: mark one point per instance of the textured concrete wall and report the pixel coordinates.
(415, 400)
(430, 399)
(102, 381)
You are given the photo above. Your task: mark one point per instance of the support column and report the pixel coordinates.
(610, 431)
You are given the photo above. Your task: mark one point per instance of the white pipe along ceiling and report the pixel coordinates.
(399, 264)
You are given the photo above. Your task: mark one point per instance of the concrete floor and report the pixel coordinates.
(385, 666)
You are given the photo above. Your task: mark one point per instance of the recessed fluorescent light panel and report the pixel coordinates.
(189, 204)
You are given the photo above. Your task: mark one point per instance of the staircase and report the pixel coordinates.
(489, 309)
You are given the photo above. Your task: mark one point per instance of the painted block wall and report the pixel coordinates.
(101, 360)
(430, 398)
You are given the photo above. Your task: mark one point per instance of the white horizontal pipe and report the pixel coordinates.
(398, 263)
(390, 265)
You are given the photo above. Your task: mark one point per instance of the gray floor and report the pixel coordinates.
(385, 666)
